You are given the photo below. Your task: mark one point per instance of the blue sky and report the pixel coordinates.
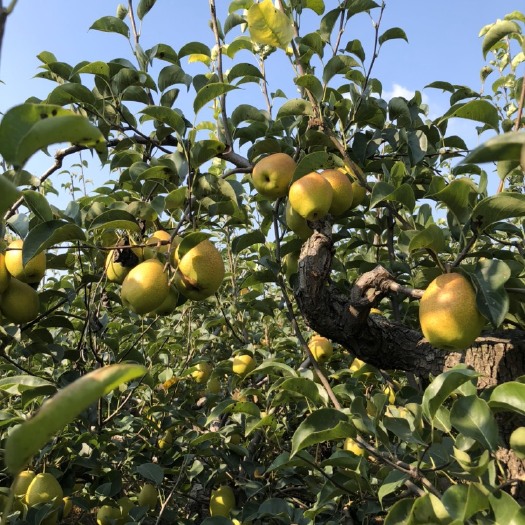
(443, 42)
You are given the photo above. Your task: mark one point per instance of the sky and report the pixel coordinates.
(443, 43)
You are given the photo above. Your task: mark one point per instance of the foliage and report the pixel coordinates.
(177, 150)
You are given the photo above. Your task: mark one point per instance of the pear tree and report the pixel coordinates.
(229, 320)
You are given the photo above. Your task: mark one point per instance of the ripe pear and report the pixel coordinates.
(351, 445)
(359, 194)
(158, 237)
(243, 364)
(44, 488)
(448, 314)
(202, 372)
(296, 223)
(115, 271)
(22, 482)
(321, 348)
(148, 496)
(107, 515)
(4, 274)
(311, 196)
(19, 302)
(517, 442)
(30, 273)
(272, 175)
(291, 264)
(222, 501)
(145, 287)
(343, 191)
(200, 271)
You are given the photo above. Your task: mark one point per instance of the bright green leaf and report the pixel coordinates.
(210, 92)
(497, 32)
(508, 397)
(268, 25)
(479, 110)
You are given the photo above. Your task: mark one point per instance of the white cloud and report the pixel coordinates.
(401, 91)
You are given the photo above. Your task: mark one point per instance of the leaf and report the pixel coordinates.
(189, 242)
(322, 425)
(268, 25)
(111, 24)
(306, 388)
(18, 384)
(317, 160)
(144, 7)
(295, 107)
(338, 65)
(442, 386)
(95, 68)
(479, 110)
(48, 234)
(38, 204)
(399, 512)
(507, 146)
(505, 507)
(358, 6)
(204, 150)
(246, 240)
(432, 237)
(167, 116)
(457, 196)
(27, 128)
(312, 84)
(8, 194)
(209, 92)
(317, 6)
(472, 417)
(489, 277)
(115, 220)
(151, 471)
(383, 191)
(173, 74)
(393, 480)
(499, 207)
(508, 397)
(497, 32)
(462, 501)
(391, 34)
(30, 436)
(269, 365)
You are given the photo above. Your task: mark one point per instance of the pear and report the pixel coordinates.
(311, 196)
(448, 314)
(321, 348)
(343, 191)
(296, 223)
(145, 287)
(222, 501)
(148, 496)
(19, 302)
(44, 488)
(202, 372)
(200, 271)
(4, 274)
(22, 482)
(243, 364)
(108, 515)
(272, 175)
(30, 273)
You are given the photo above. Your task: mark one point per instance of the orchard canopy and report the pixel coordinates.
(178, 345)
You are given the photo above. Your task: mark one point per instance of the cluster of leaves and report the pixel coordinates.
(273, 435)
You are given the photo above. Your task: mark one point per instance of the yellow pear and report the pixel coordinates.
(115, 271)
(160, 241)
(4, 274)
(272, 175)
(311, 196)
(351, 445)
(343, 192)
(448, 314)
(517, 442)
(222, 501)
(145, 287)
(200, 271)
(202, 372)
(243, 364)
(291, 264)
(30, 273)
(321, 348)
(148, 496)
(296, 223)
(358, 193)
(389, 391)
(170, 303)
(44, 488)
(22, 482)
(19, 302)
(108, 515)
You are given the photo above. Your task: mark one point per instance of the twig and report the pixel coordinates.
(468, 246)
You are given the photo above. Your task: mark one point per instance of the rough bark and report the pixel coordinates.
(344, 318)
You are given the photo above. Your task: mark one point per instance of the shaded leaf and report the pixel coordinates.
(507, 146)
(246, 240)
(209, 92)
(295, 107)
(479, 110)
(167, 116)
(457, 196)
(38, 204)
(144, 7)
(499, 207)
(432, 237)
(497, 32)
(8, 194)
(391, 34)
(151, 471)
(463, 501)
(111, 24)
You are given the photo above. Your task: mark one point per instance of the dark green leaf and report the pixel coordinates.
(432, 237)
(115, 220)
(167, 116)
(338, 65)
(144, 7)
(457, 196)
(478, 110)
(246, 240)
(391, 483)
(391, 34)
(38, 204)
(173, 74)
(383, 191)
(499, 207)
(152, 472)
(111, 24)
(295, 107)
(8, 194)
(210, 92)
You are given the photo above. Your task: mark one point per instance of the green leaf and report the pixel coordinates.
(505, 507)
(48, 234)
(194, 48)
(173, 74)
(479, 110)
(176, 199)
(111, 24)
(499, 207)
(338, 65)
(463, 501)
(115, 220)
(472, 417)
(295, 107)
(489, 277)
(317, 6)
(27, 128)
(393, 480)
(271, 365)
(383, 191)
(29, 437)
(508, 397)
(322, 425)
(204, 150)
(95, 68)
(442, 386)
(457, 196)
(70, 93)
(151, 471)
(359, 6)
(507, 146)
(400, 513)
(246, 240)
(38, 204)
(497, 32)
(305, 387)
(391, 34)
(312, 84)
(268, 25)
(318, 160)
(432, 237)
(167, 116)
(209, 92)
(144, 7)
(17, 384)
(8, 194)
